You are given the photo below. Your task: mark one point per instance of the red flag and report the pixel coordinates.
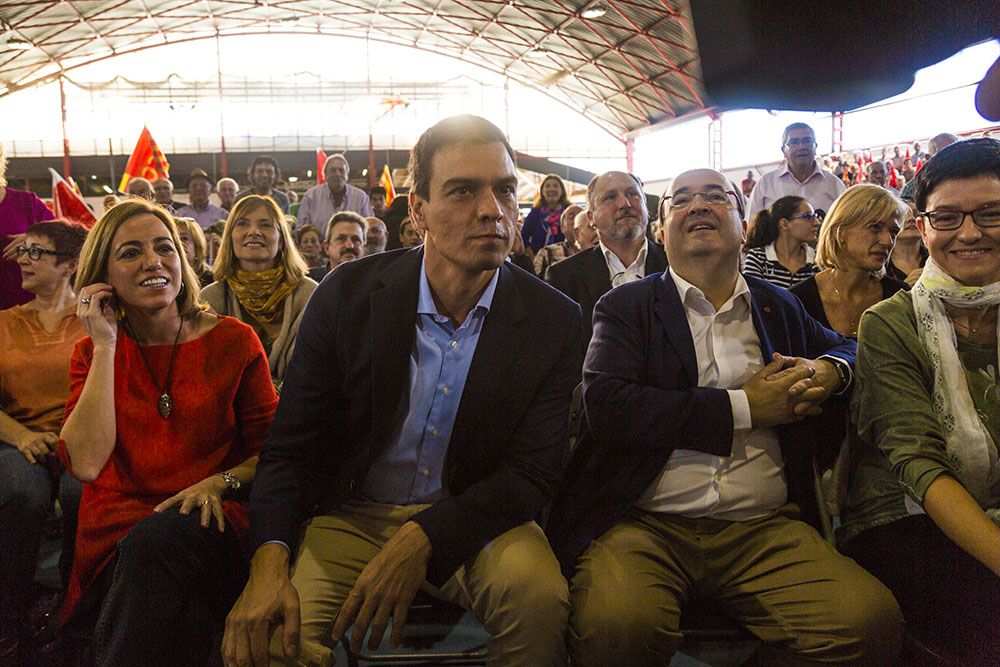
(893, 175)
(147, 161)
(320, 163)
(67, 204)
(385, 180)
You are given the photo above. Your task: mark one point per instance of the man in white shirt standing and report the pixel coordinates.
(616, 207)
(694, 475)
(798, 175)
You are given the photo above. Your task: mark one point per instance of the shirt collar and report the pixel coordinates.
(785, 170)
(611, 258)
(740, 290)
(772, 255)
(425, 301)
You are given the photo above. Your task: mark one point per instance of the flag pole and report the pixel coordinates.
(62, 104)
(223, 161)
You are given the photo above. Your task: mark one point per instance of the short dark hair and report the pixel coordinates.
(764, 227)
(67, 237)
(797, 126)
(265, 159)
(377, 190)
(462, 130)
(344, 216)
(964, 159)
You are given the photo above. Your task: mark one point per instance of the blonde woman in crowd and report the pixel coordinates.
(261, 279)
(195, 247)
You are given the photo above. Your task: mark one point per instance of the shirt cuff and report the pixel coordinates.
(847, 368)
(281, 543)
(741, 410)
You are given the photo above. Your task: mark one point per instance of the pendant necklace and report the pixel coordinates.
(164, 404)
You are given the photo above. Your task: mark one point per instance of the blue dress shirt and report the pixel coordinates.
(410, 469)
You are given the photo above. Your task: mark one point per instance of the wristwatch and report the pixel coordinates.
(843, 373)
(233, 482)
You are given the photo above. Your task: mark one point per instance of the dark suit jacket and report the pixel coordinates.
(584, 278)
(340, 405)
(642, 401)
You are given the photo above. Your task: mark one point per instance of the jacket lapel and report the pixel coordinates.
(499, 345)
(763, 317)
(656, 259)
(596, 280)
(393, 315)
(670, 311)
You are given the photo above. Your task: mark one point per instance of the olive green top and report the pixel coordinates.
(899, 448)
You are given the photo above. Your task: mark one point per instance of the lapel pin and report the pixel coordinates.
(767, 309)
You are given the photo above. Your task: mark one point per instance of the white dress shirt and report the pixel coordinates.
(820, 189)
(749, 483)
(618, 272)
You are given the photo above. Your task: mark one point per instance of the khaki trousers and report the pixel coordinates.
(513, 586)
(775, 575)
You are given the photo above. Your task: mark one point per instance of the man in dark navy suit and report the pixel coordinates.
(618, 213)
(694, 475)
(422, 426)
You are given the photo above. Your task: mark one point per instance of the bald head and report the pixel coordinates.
(140, 187)
(940, 141)
(702, 223)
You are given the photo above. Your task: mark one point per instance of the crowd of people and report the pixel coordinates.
(269, 423)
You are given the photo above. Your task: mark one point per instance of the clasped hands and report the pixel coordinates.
(789, 389)
(384, 589)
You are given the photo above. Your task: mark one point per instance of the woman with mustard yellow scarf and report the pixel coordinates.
(261, 279)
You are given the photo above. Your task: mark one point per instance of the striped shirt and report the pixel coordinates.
(763, 263)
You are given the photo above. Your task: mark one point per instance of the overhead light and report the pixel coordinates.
(293, 179)
(594, 11)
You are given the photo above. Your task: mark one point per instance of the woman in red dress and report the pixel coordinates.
(169, 406)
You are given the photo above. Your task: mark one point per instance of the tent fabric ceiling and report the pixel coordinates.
(634, 66)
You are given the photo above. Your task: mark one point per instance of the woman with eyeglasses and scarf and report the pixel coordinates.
(923, 509)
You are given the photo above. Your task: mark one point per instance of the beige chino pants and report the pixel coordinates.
(513, 586)
(776, 575)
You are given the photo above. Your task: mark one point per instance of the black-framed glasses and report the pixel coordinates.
(34, 253)
(946, 219)
(813, 216)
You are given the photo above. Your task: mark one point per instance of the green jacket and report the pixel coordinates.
(898, 448)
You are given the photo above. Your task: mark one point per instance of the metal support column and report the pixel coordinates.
(630, 155)
(715, 142)
(223, 161)
(837, 135)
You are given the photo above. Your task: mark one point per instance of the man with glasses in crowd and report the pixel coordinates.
(694, 475)
(799, 174)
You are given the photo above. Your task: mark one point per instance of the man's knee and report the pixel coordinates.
(24, 495)
(873, 623)
(157, 537)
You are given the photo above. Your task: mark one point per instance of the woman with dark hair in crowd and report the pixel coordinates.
(195, 246)
(169, 405)
(909, 254)
(19, 209)
(261, 279)
(853, 247)
(541, 226)
(37, 339)
(779, 243)
(923, 510)
(310, 245)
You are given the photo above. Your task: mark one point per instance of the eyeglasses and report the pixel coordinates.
(804, 141)
(35, 254)
(805, 216)
(945, 220)
(712, 197)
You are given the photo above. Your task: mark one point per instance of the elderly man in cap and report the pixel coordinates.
(199, 187)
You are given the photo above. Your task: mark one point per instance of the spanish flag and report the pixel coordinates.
(386, 182)
(147, 161)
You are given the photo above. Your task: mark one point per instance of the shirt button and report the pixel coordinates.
(454, 344)
(426, 472)
(444, 389)
(434, 431)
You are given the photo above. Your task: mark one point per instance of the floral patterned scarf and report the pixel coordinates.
(262, 294)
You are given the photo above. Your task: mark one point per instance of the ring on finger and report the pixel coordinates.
(205, 503)
(85, 300)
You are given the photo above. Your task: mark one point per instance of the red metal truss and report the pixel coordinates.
(626, 70)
